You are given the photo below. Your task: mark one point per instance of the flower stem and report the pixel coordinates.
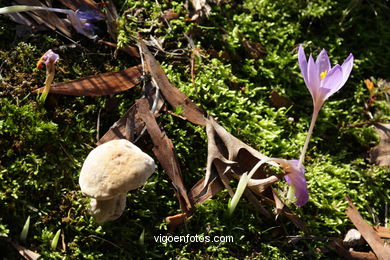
(243, 183)
(309, 133)
(50, 71)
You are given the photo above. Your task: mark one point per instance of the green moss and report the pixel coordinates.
(245, 50)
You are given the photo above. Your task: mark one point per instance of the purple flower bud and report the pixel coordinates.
(49, 57)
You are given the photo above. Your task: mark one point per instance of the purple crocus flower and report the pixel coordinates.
(322, 81)
(295, 177)
(49, 57)
(82, 21)
(320, 78)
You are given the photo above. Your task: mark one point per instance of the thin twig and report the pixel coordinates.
(369, 122)
(98, 125)
(105, 240)
(386, 208)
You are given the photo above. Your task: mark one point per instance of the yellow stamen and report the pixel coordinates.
(323, 74)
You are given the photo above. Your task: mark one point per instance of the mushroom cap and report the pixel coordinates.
(114, 168)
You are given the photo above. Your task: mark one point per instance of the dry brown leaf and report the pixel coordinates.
(383, 232)
(26, 253)
(380, 154)
(199, 194)
(164, 151)
(224, 147)
(77, 4)
(352, 255)
(228, 157)
(125, 128)
(46, 18)
(131, 50)
(99, 85)
(26, 21)
(172, 95)
(175, 221)
(111, 19)
(376, 243)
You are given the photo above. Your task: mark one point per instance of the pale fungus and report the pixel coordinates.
(109, 172)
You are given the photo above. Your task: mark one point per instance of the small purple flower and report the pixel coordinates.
(49, 57)
(295, 176)
(86, 17)
(320, 78)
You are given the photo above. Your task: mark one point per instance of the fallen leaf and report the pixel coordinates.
(352, 255)
(175, 221)
(26, 253)
(82, 4)
(125, 128)
(376, 243)
(111, 19)
(49, 19)
(99, 85)
(199, 194)
(131, 50)
(383, 232)
(26, 24)
(172, 95)
(380, 154)
(164, 151)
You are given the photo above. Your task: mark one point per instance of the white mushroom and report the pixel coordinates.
(109, 172)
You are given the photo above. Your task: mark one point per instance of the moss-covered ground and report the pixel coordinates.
(243, 51)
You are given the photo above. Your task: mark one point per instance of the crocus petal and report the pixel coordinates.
(323, 61)
(303, 64)
(88, 15)
(331, 83)
(313, 78)
(296, 176)
(77, 24)
(347, 68)
(50, 57)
